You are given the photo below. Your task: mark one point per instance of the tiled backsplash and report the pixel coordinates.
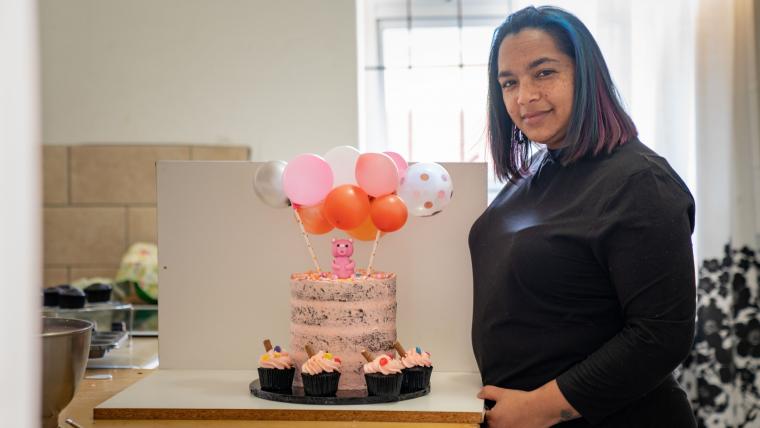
(99, 199)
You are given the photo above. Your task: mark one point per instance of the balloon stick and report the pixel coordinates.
(372, 257)
(306, 238)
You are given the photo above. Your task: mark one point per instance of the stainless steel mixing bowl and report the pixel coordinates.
(65, 347)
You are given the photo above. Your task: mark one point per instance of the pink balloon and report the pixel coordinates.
(307, 179)
(400, 162)
(377, 174)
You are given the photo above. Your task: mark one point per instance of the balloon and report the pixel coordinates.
(313, 220)
(307, 179)
(342, 160)
(365, 232)
(400, 162)
(426, 189)
(346, 207)
(267, 183)
(377, 174)
(388, 213)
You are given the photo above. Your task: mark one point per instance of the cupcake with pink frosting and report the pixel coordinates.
(320, 373)
(276, 369)
(417, 368)
(383, 375)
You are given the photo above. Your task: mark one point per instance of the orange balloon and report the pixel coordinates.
(366, 232)
(313, 220)
(346, 207)
(388, 213)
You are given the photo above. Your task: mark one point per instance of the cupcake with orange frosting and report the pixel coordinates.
(417, 368)
(320, 373)
(276, 369)
(383, 375)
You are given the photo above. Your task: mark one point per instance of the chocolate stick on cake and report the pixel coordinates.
(399, 349)
(367, 356)
(309, 350)
(267, 345)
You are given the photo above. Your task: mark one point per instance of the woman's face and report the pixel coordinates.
(536, 80)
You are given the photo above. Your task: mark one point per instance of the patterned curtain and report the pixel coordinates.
(722, 373)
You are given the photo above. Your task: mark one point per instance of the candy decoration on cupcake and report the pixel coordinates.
(364, 195)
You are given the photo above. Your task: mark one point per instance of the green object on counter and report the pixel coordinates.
(139, 267)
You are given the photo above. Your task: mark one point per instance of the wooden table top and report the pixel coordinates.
(93, 392)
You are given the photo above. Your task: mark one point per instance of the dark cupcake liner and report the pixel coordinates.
(277, 380)
(383, 385)
(320, 385)
(98, 293)
(416, 379)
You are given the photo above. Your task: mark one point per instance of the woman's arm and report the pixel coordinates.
(645, 244)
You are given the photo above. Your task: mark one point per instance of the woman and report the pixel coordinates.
(584, 288)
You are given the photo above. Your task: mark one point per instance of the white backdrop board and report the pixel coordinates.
(225, 260)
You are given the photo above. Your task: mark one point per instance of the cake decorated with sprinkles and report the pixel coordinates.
(344, 315)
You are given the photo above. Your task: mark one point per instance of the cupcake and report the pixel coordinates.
(276, 369)
(417, 368)
(383, 375)
(51, 296)
(320, 373)
(98, 292)
(71, 298)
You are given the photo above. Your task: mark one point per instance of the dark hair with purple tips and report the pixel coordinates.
(598, 121)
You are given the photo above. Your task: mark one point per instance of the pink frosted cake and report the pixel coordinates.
(344, 316)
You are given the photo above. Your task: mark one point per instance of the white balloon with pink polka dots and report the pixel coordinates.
(426, 189)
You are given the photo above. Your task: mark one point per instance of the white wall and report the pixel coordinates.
(280, 76)
(20, 217)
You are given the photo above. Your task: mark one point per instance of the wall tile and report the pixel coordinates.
(118, 174)
(55, 179)
(142, 225)
(84, 235)
(94, 271)
(220, 153)
(52, 276)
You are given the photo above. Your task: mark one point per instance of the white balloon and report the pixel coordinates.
(342, 160)
(267, 183)
(426, 189)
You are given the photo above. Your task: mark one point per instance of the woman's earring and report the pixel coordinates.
(517, 136)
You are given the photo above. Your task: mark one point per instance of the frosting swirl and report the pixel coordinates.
(275, 360)
(416, 358)
(384, 365)
(321, 362)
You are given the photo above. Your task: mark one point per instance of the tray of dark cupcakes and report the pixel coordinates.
(68, 301)
(388, 379)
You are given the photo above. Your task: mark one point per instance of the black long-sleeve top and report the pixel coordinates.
(584, 273)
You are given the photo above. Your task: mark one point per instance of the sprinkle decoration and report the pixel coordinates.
(277, 348)
(337, 360)
(265, 357)
(418, 350)
(277, 355)
(328, 356)
(383, 361)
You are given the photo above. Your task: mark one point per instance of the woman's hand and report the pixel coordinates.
(542, 407)
(513, 408)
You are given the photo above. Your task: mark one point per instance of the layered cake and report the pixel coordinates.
(344, 316)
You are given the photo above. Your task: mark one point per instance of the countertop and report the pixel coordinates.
(163, 389)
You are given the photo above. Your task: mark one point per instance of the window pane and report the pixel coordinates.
(474, 96)
(435, 46)
(476, 43)
(395, 47)
(436, 103)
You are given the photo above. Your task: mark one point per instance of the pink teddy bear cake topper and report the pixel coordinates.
(342, 250)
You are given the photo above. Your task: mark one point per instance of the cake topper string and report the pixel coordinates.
(308, 241)
(366, 195)
(372, 256)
